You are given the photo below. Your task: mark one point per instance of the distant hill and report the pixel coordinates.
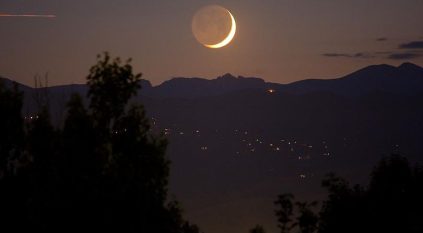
(198, 87)
(404, 79)
(9, 83)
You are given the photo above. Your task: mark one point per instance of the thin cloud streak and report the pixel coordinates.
(347, 55)
(404, 56)
(412, 45)
(27, 15)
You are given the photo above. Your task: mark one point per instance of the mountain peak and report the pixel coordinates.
(227, 76)
(409, 66)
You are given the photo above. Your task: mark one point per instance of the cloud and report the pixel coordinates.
(347, 55)
(382, 39)
(412, 45)
(383, 52)
(404, 56)
(335, 55)
(27, 15)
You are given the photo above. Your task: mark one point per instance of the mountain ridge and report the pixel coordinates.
(406, 78)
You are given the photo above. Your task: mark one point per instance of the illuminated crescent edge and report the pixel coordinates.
(228, 39)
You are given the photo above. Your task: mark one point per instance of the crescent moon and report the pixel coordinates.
(228, 38)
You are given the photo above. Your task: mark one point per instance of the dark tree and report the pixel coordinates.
(395, 196)
(298, 215)
(391, 203)
(344, 207)
(111, 84)
(14, 187)
(104, 171)
(11, 128)
(307, 220)
(284, 212)
(78, 134)
(258, 229)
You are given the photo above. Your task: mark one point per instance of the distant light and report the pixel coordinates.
(271, 91)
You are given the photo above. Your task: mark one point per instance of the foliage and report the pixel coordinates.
(104, 171)
(285, 212)
(258, 229)
(305, 221)
(392, 202)
(111, 86)
(11, 128)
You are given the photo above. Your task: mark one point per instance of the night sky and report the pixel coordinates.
(279, 41)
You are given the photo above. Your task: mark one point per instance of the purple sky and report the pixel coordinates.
(277, 40)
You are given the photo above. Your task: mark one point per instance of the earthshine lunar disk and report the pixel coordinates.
(214, 26)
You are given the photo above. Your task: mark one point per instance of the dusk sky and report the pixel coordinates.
(278, 40)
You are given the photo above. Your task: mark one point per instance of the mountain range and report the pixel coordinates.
(405, 79)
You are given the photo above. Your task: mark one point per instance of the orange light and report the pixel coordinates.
(271, 91)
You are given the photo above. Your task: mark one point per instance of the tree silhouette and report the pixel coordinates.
(111, 85)
(307, 220)
(14, 188)
(258, 229)
(285, 212)
(11, 128)
(344, 208)
(395, 194)
(392, 202)
(104, 171)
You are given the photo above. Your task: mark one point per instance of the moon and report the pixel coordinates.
(214, 26)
